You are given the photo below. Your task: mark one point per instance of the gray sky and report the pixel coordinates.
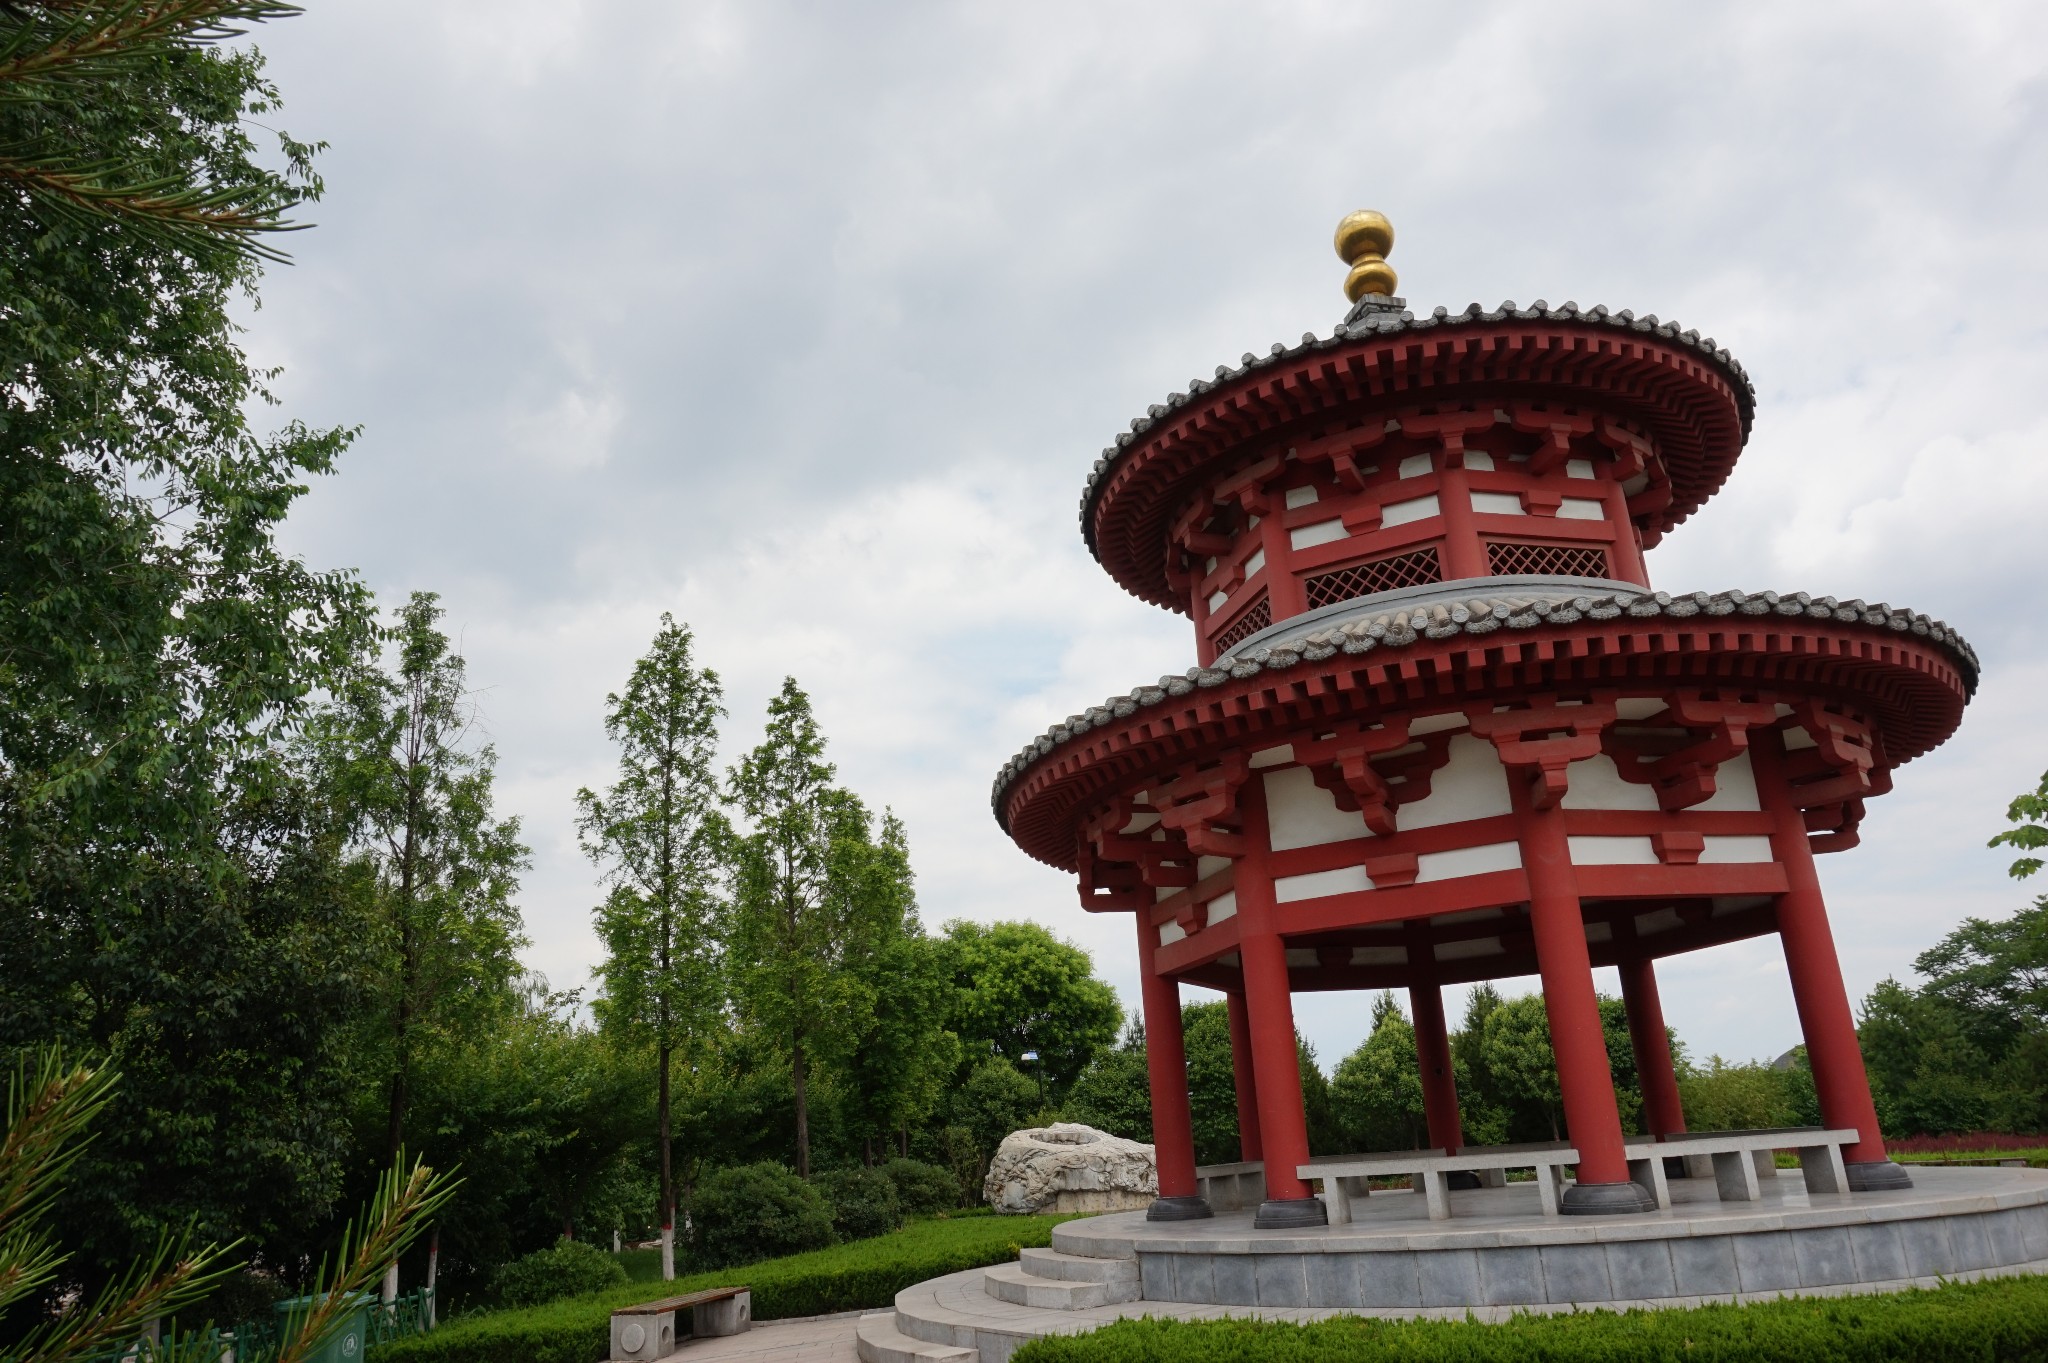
(806, 322)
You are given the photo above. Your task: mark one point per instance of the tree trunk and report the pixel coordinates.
(803, 1108)
(668, 1181)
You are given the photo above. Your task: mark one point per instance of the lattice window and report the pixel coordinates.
(1251, 622)
(1380, 575)
(1550, 560)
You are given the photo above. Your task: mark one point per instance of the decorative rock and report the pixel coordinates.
(1067, 1167)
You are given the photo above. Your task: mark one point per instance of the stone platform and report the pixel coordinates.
(1498, 1255)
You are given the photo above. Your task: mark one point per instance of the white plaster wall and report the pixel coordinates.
(1256, 564)
(1301, 496)
(1735, 787)
(1322, 532)
(1472, 785)
(1581, 509)
(1414, 509)
(1578, 468)
(1209, 866)
(1602, 851)
(1316, 884)
(1498, 504)
(1596, 784)
(1223, 906)
(1273, 757)
(1300, 813)
(1467, 861)
(1216, 600)
(1724, 850)
(1170, 932)
(1415, 465)
(1479, 459)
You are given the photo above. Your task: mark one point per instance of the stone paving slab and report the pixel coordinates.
(827, 1339)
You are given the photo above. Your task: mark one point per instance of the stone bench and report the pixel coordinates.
(1232, 1187)
(1344, 1176)
(643, 1333)
(1738, 1161)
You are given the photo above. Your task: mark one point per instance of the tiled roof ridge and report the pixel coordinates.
(1479, 615)
(1365, 322)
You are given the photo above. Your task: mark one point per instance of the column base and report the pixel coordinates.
(1606, 1199)
(1179, 1209)
(1289, 1213)
(1877, 1176)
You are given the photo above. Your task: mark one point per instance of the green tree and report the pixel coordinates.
(439, 869)
(1520, 1069)
(168, 887)
(899, 1055)
(1020, 989)
(792, 910)
(1114, 1093)
(1377, 1089)
(1212, 1081)
(660, 837)
(1480, 1113)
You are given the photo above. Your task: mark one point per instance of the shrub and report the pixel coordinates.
(754, 1212)
(866, 1276)
(570, 1268)
(863, 1202)
(1983, 1322)
(923, 1188)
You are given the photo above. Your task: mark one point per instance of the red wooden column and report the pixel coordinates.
(1626, 555)
(1433, 1055)
(1462, 554)
(1822, 1001)
(1248, 1143)
(1276, 1066)
(1663, 1114)
(1166, 1065)
(1584, 1079)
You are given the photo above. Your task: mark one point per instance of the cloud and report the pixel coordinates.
(805, 324)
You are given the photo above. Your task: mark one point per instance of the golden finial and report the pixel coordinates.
(1363, 240)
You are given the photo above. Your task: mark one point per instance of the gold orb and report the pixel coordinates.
(1370, 275)
(1364, 233)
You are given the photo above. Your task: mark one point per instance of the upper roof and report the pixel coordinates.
(1692, 394)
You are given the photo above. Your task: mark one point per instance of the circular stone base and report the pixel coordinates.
(1499, 1250)
(1178, 1209)
(1606, 1199)
(1878, 1176)
(1290, 1213)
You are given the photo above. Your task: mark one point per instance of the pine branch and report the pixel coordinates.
(91, 34)
(393, 1219)
(182, 218)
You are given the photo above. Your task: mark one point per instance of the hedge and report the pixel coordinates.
(1982, 1322)
(864, 1275)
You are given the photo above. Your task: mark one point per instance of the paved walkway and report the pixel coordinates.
(829, 1340)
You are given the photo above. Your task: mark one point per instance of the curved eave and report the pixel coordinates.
(1915, 673)
(1235, 405)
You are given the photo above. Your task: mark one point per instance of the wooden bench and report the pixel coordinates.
(647, 1331)
(1344, 1176)
(1738, 1161)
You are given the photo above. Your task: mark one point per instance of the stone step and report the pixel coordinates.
(1078, 1268)
(1016, 1284)
(877, 1340)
